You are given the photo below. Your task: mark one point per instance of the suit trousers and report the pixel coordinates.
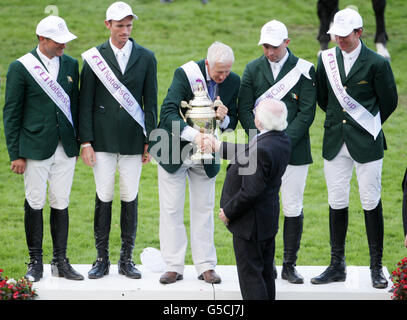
(173, 236)
(129, 167)
(338, 174)
(254, 262)
(292, 189)
(58, 171)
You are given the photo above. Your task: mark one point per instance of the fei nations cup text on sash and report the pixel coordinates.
(363, 117)
(48, 83)
(114, 86)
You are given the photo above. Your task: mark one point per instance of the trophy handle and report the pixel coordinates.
(184, 104)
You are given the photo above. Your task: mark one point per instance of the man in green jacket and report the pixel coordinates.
(40, 124)
(176, 166)
(357, 91)
(280, 75)
(118, 110)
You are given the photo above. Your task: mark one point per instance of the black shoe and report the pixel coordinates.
(99, 269)
(35, 270)
(60, 267)
(334, 273)
(128, 269)
(290, 274)
(378, 279)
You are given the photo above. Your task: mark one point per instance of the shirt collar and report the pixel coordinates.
(353, 54)
(282, 60)
(126, 48)
(45, 59)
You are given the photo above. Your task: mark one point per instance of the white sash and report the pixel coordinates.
(194, 75)
(370, 123)
(282, 87)
(114, 86)
(48, 83)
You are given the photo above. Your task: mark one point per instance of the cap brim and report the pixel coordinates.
(341, 32)
(118, 18)
(272, 42)
(64, 38)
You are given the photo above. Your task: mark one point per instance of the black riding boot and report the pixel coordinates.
(33, 223)
(128, 225)
(292, 237)
(338, 226)
(374, 231)
(102, 221)
(60, 267)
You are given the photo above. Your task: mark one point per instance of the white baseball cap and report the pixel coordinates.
(345, 21)
(54, 28)
(273, 33)
(119, 10)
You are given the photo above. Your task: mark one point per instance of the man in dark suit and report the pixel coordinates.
(176, 166)
(357, 91)
(250, 201)
(274, 74)
(40, 124)
(118, 110)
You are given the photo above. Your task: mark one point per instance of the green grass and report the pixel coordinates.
(179, 32)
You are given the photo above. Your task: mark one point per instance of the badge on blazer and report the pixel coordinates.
(363, 82)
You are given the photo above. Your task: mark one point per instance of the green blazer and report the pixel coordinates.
(180, 90)
(33, 124)
(102, 120)
(370, 82)
(257, 78)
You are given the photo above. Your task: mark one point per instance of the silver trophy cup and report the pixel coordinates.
(201, 115)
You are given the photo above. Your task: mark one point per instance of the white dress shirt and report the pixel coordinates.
(350, 58)
(276, 66)
(122, 55)
(52, 65)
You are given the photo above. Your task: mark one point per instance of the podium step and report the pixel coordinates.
(117, 287)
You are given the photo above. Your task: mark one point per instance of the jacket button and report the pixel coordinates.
(344, 110)
(343, 121)
(345, 87)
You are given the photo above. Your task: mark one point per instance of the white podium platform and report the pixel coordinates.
(117, 287)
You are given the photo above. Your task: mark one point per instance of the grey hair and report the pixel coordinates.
(220, 52)
(272, 114)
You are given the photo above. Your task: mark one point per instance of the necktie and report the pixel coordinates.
(120, 59)
(211, 89)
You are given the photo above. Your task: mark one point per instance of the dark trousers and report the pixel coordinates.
(254, 261)
(326, 10)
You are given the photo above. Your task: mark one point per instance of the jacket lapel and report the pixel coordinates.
(341, 67)
(134, 56)
(359, 63)
(288, 65)
(266, 71)
(107, 52)
(62, 69)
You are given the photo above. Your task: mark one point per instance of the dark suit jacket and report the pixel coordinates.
(180, 90)
(33, 124)
(102, 121)
(257, 78)
(251, 202)
(370, 82)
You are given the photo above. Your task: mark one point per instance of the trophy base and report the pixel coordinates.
(198, 157)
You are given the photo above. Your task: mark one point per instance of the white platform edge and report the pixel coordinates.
(117, 287)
